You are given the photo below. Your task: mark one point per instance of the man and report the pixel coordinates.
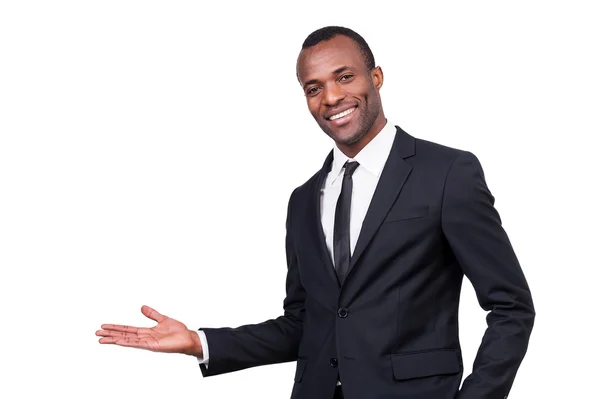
(377, 242)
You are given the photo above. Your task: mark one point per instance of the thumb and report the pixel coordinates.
(152, 314)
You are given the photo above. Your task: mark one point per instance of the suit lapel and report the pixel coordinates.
(315, 224)
(393, 176)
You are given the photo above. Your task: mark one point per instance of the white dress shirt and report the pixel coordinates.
(371, 159)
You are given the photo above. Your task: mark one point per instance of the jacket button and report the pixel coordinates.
(333, 362)
(342, 312)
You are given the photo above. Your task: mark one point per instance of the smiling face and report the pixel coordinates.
(341, 92)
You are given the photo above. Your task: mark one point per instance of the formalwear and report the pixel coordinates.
(390, 330)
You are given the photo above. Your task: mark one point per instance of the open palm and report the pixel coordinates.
(169, 335)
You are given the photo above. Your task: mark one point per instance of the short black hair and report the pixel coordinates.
(329, 32)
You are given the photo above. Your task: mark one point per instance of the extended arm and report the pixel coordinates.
(273, 341)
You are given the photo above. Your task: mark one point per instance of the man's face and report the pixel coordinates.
(341, 92)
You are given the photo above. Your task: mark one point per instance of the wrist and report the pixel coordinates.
(196, 346)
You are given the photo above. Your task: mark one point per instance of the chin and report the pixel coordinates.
(348, 141)
(346, 138)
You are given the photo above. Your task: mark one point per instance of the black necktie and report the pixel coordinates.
(341, 227)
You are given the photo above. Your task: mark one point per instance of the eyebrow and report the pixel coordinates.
(337, 71)
(341, 69)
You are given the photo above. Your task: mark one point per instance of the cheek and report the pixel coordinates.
(313, 107)
(370, 97)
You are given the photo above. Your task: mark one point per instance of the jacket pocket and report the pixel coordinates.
(300, 366)
(425, 364)
(406, 214)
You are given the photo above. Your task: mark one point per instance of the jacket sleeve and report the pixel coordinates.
(273, 341)
(474, 231)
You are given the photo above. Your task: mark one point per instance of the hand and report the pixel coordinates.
(169, 335)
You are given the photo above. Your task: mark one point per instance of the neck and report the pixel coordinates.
(351, 150)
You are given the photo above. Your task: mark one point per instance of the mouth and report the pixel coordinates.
(341, 117)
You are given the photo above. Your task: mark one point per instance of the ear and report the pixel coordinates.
(377, 77)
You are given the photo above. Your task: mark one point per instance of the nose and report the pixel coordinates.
(333, 94)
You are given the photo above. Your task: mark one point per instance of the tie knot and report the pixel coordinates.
(350, 167)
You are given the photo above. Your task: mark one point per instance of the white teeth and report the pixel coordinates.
(338, 116)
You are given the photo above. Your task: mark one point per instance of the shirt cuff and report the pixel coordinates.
(204, 343)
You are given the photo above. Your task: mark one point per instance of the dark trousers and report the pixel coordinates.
(338, 393)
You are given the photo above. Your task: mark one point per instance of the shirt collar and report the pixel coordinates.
(372, 157)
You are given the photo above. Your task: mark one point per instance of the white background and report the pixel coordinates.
(148, 150)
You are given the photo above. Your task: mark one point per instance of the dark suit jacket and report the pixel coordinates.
(391, 330)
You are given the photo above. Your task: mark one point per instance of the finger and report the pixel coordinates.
(129, 342)
(139, 332)
(152, 314)
(110, 340)
(118, 327)
(109, 333)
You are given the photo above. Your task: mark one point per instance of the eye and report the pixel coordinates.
(346, 77)
(312, 91)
